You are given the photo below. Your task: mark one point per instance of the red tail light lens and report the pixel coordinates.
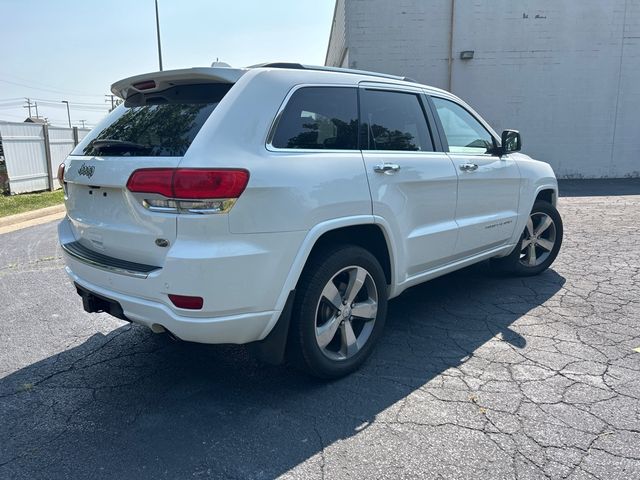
(192, 183)
(189, 183)
(152, 180)
(186, 302)
(61, 174)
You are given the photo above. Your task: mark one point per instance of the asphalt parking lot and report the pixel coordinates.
(477, 376)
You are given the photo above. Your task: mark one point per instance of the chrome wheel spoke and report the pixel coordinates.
(357, 276)
(546, 223)
(532, 254)
(349, 340)
(326, 332)
(546, 244)
(331, 293)
(530, 227)
(366, 310)
(525, 243)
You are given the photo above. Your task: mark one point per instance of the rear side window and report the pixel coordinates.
(393, 121)
(319, 118)
(158, 124)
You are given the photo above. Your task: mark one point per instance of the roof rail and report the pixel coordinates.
(299, 66)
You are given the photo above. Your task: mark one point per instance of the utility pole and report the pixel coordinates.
(68, 113)
(113, 101)
(28, 105)
(82, 122)
(158, 32)
(36, 104)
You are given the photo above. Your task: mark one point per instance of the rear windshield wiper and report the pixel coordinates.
(112, 143)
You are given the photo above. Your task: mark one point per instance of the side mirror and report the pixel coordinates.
(511, 142)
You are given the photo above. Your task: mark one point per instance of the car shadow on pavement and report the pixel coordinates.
(132, 404)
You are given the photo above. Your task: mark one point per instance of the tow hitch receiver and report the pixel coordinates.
(94, 303)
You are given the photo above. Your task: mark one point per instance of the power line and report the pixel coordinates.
(43, 87)
(97, 108)
(94, 104)
(11, 100)
(10, 105)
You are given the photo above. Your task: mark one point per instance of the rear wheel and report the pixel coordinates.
(539, 243)
(339, 311)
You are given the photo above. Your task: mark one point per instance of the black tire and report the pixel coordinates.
(322, 268)
(514, 263)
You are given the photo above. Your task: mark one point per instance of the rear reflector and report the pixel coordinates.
(189, 183)
(186, 302)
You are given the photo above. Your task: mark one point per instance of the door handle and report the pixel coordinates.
(468, 167)
(387, 168)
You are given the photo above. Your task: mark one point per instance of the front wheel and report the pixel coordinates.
(339, 311)
(539, 244)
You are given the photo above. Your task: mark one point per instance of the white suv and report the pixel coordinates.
(282, 205)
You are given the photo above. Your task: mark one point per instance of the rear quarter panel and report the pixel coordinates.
(287, 190)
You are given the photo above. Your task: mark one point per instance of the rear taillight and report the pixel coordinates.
(195, 184)
(61, 174)
(189, 190)
(152, 180)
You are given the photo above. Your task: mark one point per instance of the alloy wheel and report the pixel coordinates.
(346, 313)
(538, 240)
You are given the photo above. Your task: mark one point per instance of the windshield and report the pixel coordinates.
(154, 124)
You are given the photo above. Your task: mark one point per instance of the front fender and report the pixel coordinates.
(536, 177)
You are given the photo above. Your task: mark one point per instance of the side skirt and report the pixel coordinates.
(450, 267)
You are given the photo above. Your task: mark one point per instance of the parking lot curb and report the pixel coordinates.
(29, 219)
(33, 214)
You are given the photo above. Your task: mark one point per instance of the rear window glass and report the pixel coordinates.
(158, 124)
(319, 118)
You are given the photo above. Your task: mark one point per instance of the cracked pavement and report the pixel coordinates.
(477, 376)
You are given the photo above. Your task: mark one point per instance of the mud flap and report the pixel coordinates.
(273, 347)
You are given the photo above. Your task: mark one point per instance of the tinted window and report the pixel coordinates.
(319, 118)
(156, 124)
(464, 133)
(393, 121)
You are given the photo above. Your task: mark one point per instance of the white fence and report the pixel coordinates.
(32, 153)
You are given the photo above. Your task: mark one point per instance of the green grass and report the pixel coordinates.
(12, 204)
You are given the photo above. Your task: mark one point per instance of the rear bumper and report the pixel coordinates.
(240, 278)
(243, 328)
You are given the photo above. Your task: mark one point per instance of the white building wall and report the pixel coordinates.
(337, 52)
(565, 73)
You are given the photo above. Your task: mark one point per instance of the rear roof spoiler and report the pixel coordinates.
(156, 81)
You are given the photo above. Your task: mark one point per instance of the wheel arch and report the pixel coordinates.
(546, 189)
(333, 231)
(359, 230)
(369, 236)
(548, 194)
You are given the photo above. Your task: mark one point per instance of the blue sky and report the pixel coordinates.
(74, 50)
